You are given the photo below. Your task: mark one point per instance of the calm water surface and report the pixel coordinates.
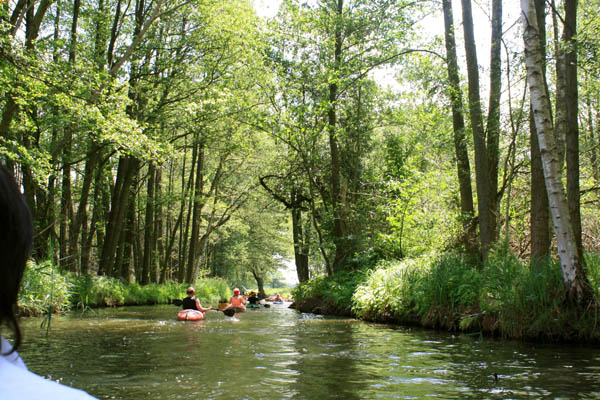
(277, 353)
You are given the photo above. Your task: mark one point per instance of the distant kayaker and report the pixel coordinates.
(252, 298)
(277, 297)
(237, 301)
(192, 303)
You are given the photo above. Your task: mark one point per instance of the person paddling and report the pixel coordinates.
(192, 303)
(237, 301)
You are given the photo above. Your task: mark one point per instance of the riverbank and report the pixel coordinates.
(502, 297)
(45, 288)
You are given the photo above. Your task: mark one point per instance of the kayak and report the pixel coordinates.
(190, 315)
(252, 305)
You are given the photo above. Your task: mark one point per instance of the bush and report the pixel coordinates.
(43, 289)
(449, 286)
(388, 292)
(593, 265)
(334, 293)
(504, 296)
(210, 290)
(431, 289)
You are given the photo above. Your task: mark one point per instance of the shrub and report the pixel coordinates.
(43, 288)
(210, 290)
(336, 290)
(388, 292)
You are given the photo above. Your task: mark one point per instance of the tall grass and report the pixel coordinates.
(335, 291)
(503, 296)
(388, 293)
(45, 288)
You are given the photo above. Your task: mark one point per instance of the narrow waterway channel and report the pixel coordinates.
(277, 353)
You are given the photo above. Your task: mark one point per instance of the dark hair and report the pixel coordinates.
(16, 236)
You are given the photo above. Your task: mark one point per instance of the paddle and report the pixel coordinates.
(230, 312)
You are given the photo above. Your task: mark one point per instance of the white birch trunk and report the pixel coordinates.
(572, 271)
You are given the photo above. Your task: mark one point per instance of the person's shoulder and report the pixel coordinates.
(20, 383)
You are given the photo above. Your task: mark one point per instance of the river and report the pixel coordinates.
(277, 353)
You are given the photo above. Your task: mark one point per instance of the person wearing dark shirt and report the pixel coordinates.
(252, 298)
(192, 303)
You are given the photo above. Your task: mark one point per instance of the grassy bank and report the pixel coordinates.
(503, 297)
(45, 288)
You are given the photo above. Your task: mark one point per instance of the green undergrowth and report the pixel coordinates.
(328, 295)
(504, 297)
(46, 288)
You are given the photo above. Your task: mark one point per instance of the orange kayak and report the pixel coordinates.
(190, 315)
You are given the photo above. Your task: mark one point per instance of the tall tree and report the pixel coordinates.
(572, 119)
(458, 123)
(572, 264)
(485, 143)
(540, 214)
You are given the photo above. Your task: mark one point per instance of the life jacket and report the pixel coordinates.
(236, 301)
(189, 303)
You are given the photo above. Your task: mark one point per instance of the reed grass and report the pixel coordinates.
(45, 288)
(503, 296)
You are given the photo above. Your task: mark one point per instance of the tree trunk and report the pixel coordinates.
(573, 270)
(300, 249)
(336, 193)
(485, 197)
(184, 234)
(149, 226)
(571, 120)
(66, 205)
(594, 140)
(158, 228)
(458, 124)
(540, 214)
(120, 199)
(80, 221)
(73, 43)
(260, 284)
(198, 205)
(560, 127)
(493, 119)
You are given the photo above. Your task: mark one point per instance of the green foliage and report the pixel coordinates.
(451, 283)
(337, 289)
(503, 296)
(106, 291)
(388, 292)
(211, 290)
(43, 289)
(524, 298)
(593, 270)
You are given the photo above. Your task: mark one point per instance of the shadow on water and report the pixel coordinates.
(276, 353)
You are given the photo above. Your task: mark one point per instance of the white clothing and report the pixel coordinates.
(18, 383)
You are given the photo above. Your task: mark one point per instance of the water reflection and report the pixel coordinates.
(276, 353)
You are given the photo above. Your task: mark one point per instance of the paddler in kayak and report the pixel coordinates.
(237, 301)
(192, 303)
